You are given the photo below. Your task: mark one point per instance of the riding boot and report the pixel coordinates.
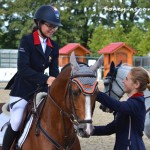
(9, 138)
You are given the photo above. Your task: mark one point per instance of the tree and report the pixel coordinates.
(79, 18)
(139, 40)
(143, 46)
(103, 36)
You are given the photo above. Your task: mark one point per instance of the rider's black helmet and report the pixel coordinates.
(48, 14)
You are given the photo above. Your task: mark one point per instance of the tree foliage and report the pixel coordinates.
(136, 38)
(93, 24)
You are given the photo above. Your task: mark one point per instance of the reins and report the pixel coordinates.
(62, 111)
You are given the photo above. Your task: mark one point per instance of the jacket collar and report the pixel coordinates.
(137, 95)
(37, 40)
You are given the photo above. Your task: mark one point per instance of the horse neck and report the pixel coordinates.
(59, 88)
(57, 106)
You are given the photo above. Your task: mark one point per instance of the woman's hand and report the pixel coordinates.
(50, 81)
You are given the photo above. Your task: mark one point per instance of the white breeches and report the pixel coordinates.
(16, 113)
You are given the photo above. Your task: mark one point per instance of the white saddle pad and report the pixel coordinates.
(25, 132)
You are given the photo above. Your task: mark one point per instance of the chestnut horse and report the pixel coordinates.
(67, 110)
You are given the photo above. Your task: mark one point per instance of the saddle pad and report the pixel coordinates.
(25, 132)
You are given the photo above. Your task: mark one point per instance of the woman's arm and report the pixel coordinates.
(131, 106)
(105, 130)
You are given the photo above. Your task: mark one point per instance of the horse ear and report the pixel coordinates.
(112, 67)
(98, 63)
(73, 62)
(119, 64)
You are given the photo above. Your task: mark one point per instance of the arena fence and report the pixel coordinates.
(8, 63)
(8, 59)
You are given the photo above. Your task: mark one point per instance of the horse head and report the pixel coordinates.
(113, 85)
(84, 90)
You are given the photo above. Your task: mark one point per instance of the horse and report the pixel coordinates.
(67, 109)
(113, 86)
(147, 120)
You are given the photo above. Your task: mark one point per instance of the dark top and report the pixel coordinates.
(133, 107)
(32, 62)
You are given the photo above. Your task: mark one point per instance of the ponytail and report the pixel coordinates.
(34, 28)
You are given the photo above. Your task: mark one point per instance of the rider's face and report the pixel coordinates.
(48, 29)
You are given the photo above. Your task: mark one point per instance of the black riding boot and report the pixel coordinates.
(9, 138)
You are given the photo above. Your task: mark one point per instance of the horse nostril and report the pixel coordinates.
(100, 107)
(81, 132)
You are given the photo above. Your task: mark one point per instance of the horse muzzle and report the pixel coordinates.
(85, 129)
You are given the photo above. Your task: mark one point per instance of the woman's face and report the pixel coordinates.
(48, 29)
(130, 87)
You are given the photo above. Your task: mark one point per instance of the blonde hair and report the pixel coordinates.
(142, 76)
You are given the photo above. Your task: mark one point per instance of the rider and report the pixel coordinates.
(36, 53)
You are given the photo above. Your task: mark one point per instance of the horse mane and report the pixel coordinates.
(126, 64)
(65, 67)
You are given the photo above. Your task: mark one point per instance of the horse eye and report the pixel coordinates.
(76, 92)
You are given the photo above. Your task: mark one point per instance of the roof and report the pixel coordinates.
(72, 46)
(112, 47)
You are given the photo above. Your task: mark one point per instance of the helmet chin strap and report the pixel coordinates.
(42, 33)
(39, 27)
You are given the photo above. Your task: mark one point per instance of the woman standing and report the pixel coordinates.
(36, 53)
(128, 124)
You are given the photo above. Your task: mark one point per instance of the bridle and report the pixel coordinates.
(71, 96)
(112, 78)
(72, 115)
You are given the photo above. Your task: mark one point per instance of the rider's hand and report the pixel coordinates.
(50, 81)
